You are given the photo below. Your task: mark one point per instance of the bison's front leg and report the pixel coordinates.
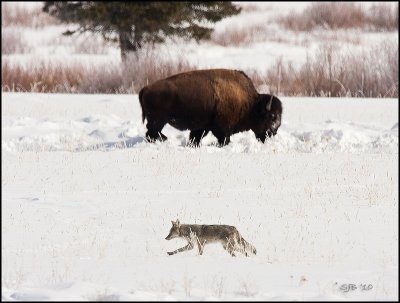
(261, 137)
(223, 139)
(196, 136)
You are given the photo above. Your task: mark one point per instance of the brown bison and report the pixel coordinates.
(218, 100)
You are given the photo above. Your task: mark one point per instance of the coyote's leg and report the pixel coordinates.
(200, 245)
(242, 247)
(187, 247)
(246, 248)
(229, 247)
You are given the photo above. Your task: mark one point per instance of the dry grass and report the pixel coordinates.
(334, 15)
(248, 7)
(148, 66)
(56, 77)
(240, 35)
(328, 15)
(13, 14)
(90, 77)
(384, 16)
(373, 73)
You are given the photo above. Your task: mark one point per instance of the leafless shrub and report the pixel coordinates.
(90, 77)
(13, 14)
(37, 77)
(384, 16)
(334, 15)
(55, 77)
(148, 66)
(249, 7)
(103, 78)
(239, 35)
(281, 78)
(13, 42)
(372, 73)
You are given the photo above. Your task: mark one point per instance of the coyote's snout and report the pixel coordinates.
(201, 235)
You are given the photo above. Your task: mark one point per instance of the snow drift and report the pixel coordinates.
(308, 125)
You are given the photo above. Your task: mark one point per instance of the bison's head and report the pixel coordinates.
(269, 111)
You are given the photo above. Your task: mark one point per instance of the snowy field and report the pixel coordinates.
(87, 203)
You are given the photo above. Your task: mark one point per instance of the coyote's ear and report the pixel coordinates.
(177, 222)
(173, 223)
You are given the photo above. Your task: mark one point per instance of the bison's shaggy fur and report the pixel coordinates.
(218, 100)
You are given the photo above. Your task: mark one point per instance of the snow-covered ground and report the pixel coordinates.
(106, 122)
(87, 203)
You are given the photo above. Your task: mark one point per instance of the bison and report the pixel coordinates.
(218, 100)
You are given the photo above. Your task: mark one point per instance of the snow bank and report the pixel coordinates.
(309, 125)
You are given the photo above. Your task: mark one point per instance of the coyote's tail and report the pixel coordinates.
(141, 103)
(247, 246)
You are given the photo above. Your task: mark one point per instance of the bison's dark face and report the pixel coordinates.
(270, 112)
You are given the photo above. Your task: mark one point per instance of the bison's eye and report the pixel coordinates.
(272, 116)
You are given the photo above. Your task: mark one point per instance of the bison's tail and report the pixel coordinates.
(141, 103)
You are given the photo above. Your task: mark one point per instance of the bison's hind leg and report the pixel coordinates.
(154, 131)
(196, 136)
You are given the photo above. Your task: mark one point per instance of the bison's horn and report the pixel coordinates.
(269, 104)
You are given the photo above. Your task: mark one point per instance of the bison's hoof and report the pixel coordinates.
(270, 133)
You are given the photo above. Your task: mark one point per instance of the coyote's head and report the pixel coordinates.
(174, 232)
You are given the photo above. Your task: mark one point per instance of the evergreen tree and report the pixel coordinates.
(134, 23)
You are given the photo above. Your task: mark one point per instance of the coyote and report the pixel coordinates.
(227, 235)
